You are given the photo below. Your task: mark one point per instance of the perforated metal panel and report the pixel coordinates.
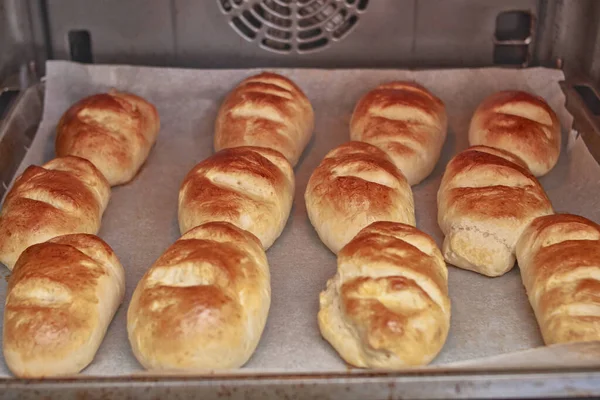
(285, 26)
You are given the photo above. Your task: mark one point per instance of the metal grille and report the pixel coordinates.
(286, 26)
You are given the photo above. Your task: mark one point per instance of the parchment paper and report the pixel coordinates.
(490, 316)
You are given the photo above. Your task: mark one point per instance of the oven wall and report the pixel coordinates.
(389, 33)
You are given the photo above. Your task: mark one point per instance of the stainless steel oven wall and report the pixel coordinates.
(17, 49)
(383, 33)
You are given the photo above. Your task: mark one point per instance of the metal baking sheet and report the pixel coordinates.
(491, 317)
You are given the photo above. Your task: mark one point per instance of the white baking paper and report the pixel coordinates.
(491, 317)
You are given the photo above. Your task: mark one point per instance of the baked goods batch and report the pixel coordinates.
(66, 283)
(488, 194)
(387, 306)
(204, 303)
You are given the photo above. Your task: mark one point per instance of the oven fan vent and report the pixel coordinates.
(286, 26)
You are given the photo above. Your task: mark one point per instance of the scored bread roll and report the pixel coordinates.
(387, 306)
(520, 123)
(251, 187)
(114, 130)
(486, 198)
(204, 302)
(66, 195)
(61, 298)
(356, 184)
(266, 110)
(406, 121)
(559, 259)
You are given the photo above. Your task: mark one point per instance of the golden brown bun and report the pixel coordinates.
(559, 259)
(66, 195)
(204, 302)
(520, 123)
(114, 130)
(62, 296)
(388, 305)
(266, 110)
(251, 187)
(407, 122)
(486, 198)
(356, 184)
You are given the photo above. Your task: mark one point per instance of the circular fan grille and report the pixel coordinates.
(285, 26)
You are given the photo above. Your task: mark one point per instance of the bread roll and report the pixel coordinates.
(66, 195)
(407, 122)
(114, 130)
(266, 110)
(204, 302)
(486, 198)
(559, 259)
(387, 306)
(251, 187)
(356, 184)
(520, 123)
(62, 296)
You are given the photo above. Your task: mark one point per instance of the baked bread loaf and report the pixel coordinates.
(251, 187)
(486, 198)
(66, 195)
(559, 259)
(356, 184)
(204, 302)
(266, 110)
(407, 122)
(114, 130)
(62, 296)
(387, 306)
(520, 123)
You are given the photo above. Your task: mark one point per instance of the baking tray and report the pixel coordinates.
(292, 358)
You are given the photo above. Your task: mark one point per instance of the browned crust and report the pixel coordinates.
(66, 195)
(113, 130)
(530, 138)
(559, 257)
(266, 110)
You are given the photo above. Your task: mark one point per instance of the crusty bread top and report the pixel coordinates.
(356, 184)
(407, 122)
(199, 293)
(266, 110)
(52, 304)
(53, 185)
(487, 183)
(252, 172)
(358, 177)
(559, 259)
(65, 195)
(251, 187)
(113, 130)
(557, 245)
(399, 110)
(394, 291)
(392, 250)
(521, 123)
